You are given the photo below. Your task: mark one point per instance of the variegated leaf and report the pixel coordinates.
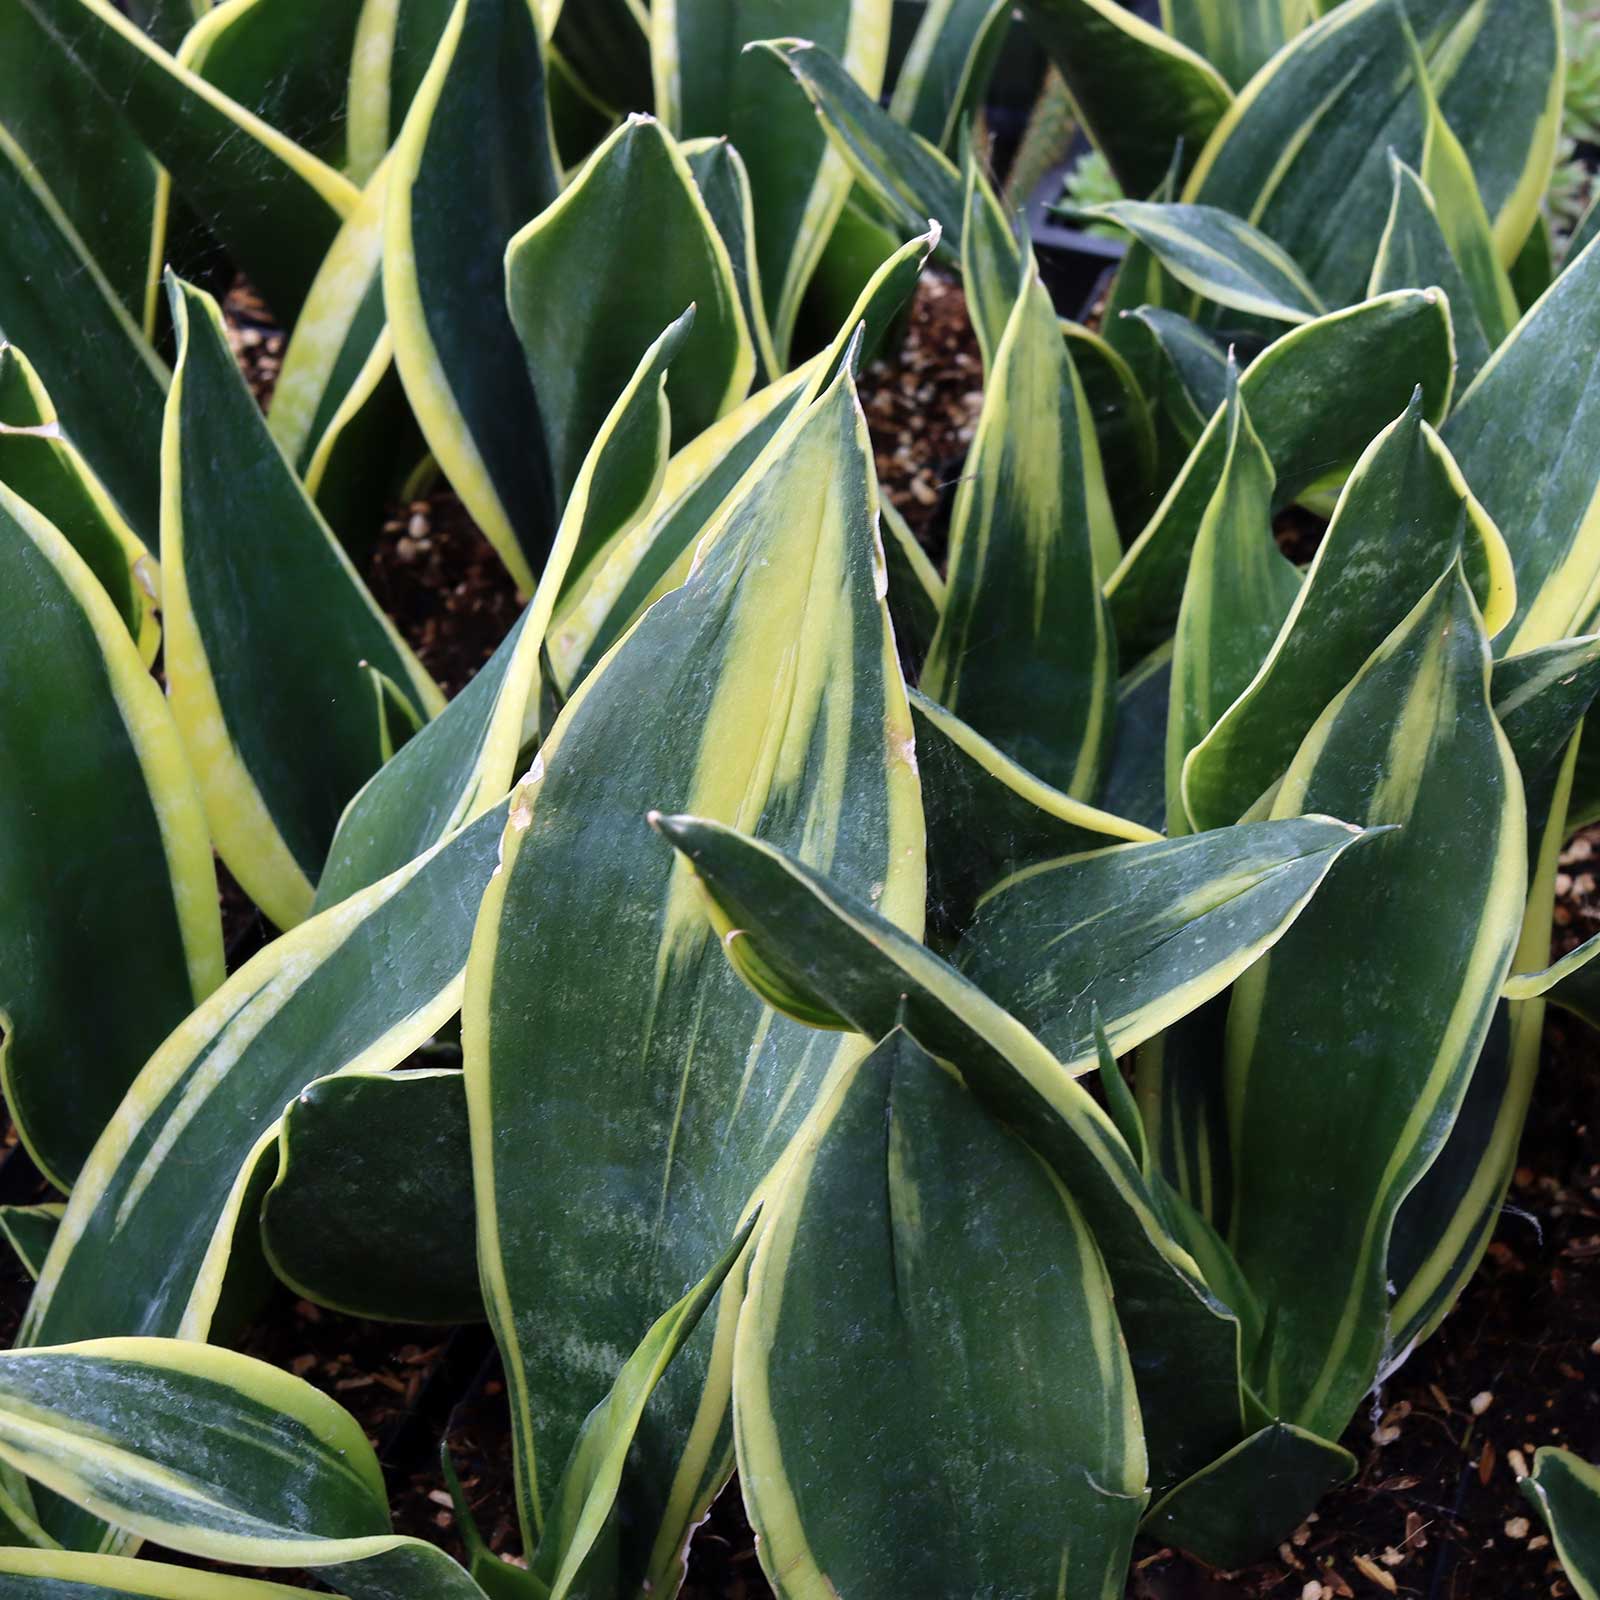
(1024, 651)
(1237, 36)
(1317, 397)
(44, 467)
(724, 695)
(1240, 590)
(988, 816)
(1141, 93)
(106, 381)
(820, 954)
(371, 1211)
(473, 163)
(1539, 465)
(268, 627)
(1402, 518)
(275, 206)
(217, 1455)
(176, 1173)
(106, 880)
(1411, 741)
(615, 302)
(707, 83)
(921, 1283)
(1218, 255)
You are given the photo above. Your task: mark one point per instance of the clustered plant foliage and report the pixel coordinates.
(799, 970)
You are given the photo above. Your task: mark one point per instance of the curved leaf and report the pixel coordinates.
(821, 955)
(1239, 592)
(84, 153)
(268, 628)
(615, 302)
(921, 1284)
(1024, 651)
(1218, 255)
(1401, 519)
(273, 204)
(1539, 465)
(371, 1212)
(473, 163)
(106, 381)
(1236, 36)
(1317, 397)
(462, 762)
(946, 72)
(647, 1080)
(1302, 154)
(1567, 1493)
(394, 46)
(1412, 741)
(1141, 93)
(707, 83)
(106, 867)
(1414, 253)
(42, 465)
(1145, 932)
(987, 816)
(214, 1454)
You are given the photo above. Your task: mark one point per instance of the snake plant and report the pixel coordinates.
(1007, 1057)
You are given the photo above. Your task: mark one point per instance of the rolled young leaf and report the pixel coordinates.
(1539, 465)
(463, 761)
(765, 688)
(921, 1284)
(1240, 589)
(1317, 397)
(1402, 517)
(215, 1454)
(1567, 1493)
(1414, 252)
(1024, 651)
(268, 627)
(106, 381)
(1412, 741)
(273, 204)
(1571, 983)
(1146, 932)
(42, 465)
(473, 163)
(820, 954)
(105, 862)
(614, 302)
(707, 83)
(1505, 109)
(1141, 93)
(1218, 255)
(371, 1212)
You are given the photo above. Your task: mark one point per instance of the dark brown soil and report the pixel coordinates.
(1435, 1511)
